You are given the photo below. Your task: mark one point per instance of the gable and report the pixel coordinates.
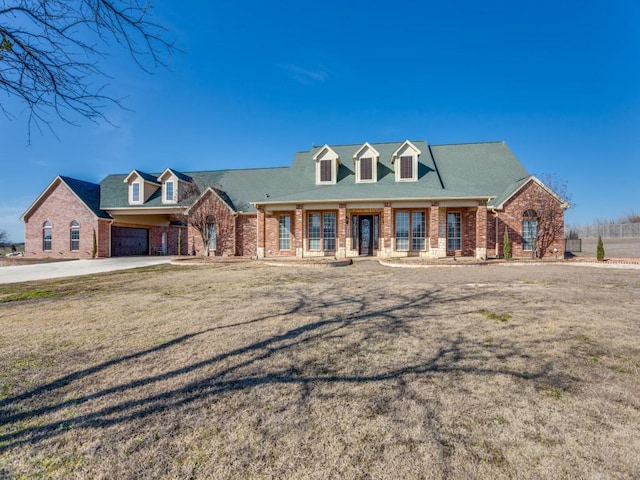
(87, 193)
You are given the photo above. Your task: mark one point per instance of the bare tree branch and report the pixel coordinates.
(50, 51)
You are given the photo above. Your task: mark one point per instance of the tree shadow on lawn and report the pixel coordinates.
(252, 365)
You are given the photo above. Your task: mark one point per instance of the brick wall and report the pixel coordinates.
(246, 234)
(155, 240)
(532, 196)
(60, 207)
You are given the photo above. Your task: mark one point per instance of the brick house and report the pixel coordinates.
(386, 199)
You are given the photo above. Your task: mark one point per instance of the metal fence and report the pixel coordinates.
(573, 245)
(610, 230)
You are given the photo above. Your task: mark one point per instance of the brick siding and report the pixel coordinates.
(60, 207)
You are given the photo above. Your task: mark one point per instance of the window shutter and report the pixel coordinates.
(366, 170)
(325, 170)
(406, 167)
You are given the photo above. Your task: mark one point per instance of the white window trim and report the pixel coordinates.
(326, 153)
(164, 191)
(367, 151)
(407, 149)
(140, 193)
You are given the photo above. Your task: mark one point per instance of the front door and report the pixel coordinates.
(365, 229)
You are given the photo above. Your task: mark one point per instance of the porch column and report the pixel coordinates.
(342, 231)
(437, 232)
(260, 231)
(298, 239)
(481, 231)
(387, 220)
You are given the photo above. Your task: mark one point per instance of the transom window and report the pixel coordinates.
(284, 232)
(47, 236)
(454, 231)
(75, 236)
(322, 231)
(168, 191)
(411, 230)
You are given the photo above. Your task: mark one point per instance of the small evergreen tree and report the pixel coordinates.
(506, 247)
(600, 250)
(179, 241)
(94, 249)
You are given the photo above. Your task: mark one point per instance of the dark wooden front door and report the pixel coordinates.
(365, 234)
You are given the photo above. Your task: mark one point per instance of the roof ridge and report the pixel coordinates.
(467, 143)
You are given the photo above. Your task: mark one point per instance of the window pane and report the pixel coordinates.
(168, 191)
(376, 222)
(402, 231)
(284, 233)
(529, 234)
(417, 230)
(46, 236)
(329, 230)
(75, 238)
(454, 240)
(314, 231)
(406, 167)
(366, 169)
(135, 192)
(325, 170)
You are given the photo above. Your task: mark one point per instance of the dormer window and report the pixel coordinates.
(168, 192)
(366, 164)
(135, 192)
(174, 186)
(405, 159)
(141, 186)
(327, 164)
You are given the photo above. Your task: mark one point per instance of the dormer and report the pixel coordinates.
(174, 185)
(366, 164)
(141, 186)
(405, 160)
(327, 164)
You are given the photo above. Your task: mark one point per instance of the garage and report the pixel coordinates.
(126, 242)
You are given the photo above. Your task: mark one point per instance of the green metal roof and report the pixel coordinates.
(473, 171)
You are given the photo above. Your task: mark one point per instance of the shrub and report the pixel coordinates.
(600, 250)
(506, 245)
(94, 248)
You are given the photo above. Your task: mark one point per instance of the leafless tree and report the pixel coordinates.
(3, 237)
(546, 203)
(211, 216)
(50, 52)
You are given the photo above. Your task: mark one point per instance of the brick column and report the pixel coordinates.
(299, 232)
(481, 231)
(437, 231)
(342, 231)
(260, 233)
(386, 230)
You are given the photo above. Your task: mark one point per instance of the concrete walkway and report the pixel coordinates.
(74, 268)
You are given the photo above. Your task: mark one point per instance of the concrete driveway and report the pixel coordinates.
(74, 268)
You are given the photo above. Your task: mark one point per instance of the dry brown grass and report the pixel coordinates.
(251, 371)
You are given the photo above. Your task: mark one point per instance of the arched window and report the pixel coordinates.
(75, 236)
(46, 236)
(529, 230)
(211, 233)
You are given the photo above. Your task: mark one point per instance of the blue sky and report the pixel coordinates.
(258, 81)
